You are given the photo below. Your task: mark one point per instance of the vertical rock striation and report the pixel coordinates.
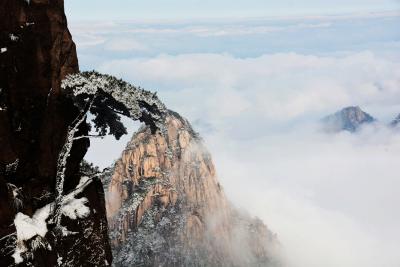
(36, 53)
(166, 208)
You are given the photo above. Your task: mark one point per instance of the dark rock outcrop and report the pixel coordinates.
(166, 208)
(348, 119)
(36, 53)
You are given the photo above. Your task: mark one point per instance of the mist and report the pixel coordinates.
(331, 199)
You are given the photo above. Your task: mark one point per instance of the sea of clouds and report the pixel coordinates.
(332, 199)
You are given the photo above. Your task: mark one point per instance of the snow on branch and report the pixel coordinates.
(115, 97)
(63, 157)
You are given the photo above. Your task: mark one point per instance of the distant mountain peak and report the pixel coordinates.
(396, 121)
(347, 119)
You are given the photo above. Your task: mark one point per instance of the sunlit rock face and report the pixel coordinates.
(36, 53)
(348, 119)
(166, 208)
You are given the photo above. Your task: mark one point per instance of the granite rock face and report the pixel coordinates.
(348, 119)
(36, 53)
(166, 208)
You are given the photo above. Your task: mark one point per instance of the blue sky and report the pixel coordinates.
(187, 9)
(241, 38)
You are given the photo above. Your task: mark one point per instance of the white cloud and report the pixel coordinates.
(124, 45)
(224, 27)
(332, 199)
(227, 29)
(277, 87)
(88, 35)
(234, 30)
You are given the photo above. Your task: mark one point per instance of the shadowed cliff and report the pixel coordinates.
(37, 52)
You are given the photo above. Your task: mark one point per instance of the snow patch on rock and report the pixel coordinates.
(29, 227)
(76, 208)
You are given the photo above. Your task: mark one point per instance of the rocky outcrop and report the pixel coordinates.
(348, 119)
(166, 208)
(36, 53)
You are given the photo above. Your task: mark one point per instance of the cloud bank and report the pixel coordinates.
(269, 89)
(243, 38)
(255, 91)
(332, 199)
